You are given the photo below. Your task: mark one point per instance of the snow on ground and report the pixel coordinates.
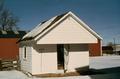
(108, 65)
(13, 74)
(104, 62)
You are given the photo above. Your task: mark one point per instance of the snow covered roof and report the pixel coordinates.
(40, 28)
(12, 34)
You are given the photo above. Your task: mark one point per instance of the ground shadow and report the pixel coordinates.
(101, 71)
(106, 73)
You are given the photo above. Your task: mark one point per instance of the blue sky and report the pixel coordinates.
(103, 16)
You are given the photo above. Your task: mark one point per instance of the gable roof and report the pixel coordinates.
(12, 34)
(46, 25)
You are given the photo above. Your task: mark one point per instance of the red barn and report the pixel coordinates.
(9, 48)
(95, 49)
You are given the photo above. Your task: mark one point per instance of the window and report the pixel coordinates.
(25, 52)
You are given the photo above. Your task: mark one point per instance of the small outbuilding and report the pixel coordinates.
(60, 44)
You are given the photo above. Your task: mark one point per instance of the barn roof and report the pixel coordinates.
(12, 34)
(43, 26)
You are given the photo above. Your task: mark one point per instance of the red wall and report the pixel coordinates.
(8, 48)
(95, 49)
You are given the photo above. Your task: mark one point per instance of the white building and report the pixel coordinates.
(57, 45)
(116, 49)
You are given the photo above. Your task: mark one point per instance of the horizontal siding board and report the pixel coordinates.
(26, 64)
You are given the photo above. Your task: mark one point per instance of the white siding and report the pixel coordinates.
(36, 62)
(26, 64)
(78, 57)
(44, 59)
(68, 31)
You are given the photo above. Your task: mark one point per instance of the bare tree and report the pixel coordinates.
(7, 19)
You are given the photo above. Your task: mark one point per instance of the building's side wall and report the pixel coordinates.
(9, 49)
(95, 49)
(44, 59)
(68, 31)
(78, 57)
(26, 63)
(36, 61)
